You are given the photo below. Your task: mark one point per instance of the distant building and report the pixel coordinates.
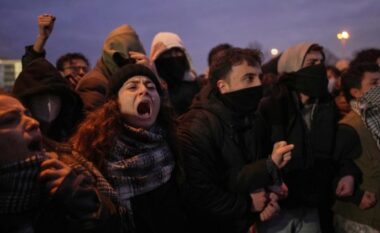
(9, 70)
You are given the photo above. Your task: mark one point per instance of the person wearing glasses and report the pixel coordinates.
(72, 66)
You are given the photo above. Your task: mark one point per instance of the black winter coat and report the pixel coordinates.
(310, 173)
(220, 151)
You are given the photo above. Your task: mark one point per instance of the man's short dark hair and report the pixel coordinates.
(353, 77)
(68, 57)
(366, 56)
(222, 65)
(215, 51)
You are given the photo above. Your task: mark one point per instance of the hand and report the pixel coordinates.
(281, 153)
(259, 200)
(53, 172)
(368, 200)
(345, 186)
(271, 210)
(73, 80)
(281, 191)
(140, 58)
(45, 25)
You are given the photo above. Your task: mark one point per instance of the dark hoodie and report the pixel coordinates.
(221, 157)
(41, 77)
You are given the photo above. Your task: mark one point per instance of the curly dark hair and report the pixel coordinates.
(353, 77)
(97, 133)
(366, 56)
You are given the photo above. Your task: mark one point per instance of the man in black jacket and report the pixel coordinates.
(301, 112)
(221, 141)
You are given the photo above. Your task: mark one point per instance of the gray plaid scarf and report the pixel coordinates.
(19, 189)
(81, 165)
(140, 161)
(368, 107)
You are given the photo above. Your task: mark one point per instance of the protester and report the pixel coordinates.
(174, 66)
(222, 145)
(301, 112)
(121, 47)
(72, 66)
(359, 138)
(58, 109)
(39, 192)
(130, 140)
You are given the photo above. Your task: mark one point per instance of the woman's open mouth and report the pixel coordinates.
(144, 109)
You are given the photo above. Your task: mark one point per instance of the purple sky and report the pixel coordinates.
(82, 25)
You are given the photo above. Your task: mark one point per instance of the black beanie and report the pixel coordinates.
(128, 71)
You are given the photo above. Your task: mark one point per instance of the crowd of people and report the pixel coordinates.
(143, 144)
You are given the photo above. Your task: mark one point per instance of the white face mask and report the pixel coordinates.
(45, 108)
(331, 85)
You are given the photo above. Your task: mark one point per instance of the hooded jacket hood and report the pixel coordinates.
(121, 40)
(292, 58)
(41, 77)
(162, 42)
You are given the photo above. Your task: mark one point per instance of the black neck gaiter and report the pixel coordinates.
(311, 81)
(243, 101)
(172, 69)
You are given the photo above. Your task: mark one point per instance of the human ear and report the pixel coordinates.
(356, 93)
(222, 86)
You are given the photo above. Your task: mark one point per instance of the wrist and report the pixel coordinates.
(42, 37)
(273, 171)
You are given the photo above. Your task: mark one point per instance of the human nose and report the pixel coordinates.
(143, 90)
(81, 72)
(31, 123)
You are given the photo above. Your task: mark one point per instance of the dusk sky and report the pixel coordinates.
(82, 25)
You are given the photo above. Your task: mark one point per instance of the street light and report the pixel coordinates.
(343, 36)
(274, 52)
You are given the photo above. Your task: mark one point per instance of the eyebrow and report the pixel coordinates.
(138, 81)
(251, 74)
(10, 112)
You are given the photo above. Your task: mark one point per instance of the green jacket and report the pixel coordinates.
(369, 164)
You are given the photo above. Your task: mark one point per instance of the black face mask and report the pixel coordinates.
(243, 101)
(172, 69)
(311, 81)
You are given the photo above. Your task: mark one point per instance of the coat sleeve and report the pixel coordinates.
(30, 55)
(204, 189)
(348, 148)
(86, 210)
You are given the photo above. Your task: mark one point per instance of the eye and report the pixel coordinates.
(151, 86)
(132, 87)
(8, 119)
(28, 113)
(250, 77)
